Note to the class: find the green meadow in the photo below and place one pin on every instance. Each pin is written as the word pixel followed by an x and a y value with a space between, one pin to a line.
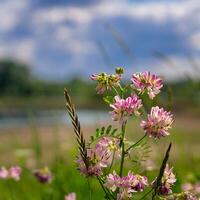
pixel 34 146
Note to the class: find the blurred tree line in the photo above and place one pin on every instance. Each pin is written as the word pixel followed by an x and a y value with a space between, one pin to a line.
pixel 19 88
pixel 16 80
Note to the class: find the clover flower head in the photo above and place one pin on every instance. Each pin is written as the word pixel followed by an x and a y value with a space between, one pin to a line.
pixel 147 82
pixel 94 167
pixel 105 81
pixel 123 108
pixel 158 123
pixel 100 156
pixel 108 148
pixel 167 181
pixel 14 172
pixel 3 173
pixel 186 196
pixel 127 185
pixel 141 183
pixel 128 181
pixel 71 196
pixel 43 175
pixel 113 181
pixel 197 188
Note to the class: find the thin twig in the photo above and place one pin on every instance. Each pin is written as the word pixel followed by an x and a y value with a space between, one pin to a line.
pixel 123 149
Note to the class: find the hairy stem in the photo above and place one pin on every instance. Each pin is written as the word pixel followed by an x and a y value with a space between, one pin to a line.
pixel 112 162
pixel 123 149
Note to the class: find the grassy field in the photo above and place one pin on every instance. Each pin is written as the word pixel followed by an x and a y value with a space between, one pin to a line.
pixel 34 146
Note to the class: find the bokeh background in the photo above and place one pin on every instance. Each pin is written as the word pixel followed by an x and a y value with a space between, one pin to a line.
pixel 47 45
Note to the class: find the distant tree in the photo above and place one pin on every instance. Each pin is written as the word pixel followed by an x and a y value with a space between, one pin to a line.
pixel 15 78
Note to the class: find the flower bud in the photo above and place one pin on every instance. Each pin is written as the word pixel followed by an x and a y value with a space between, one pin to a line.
pixel 119 70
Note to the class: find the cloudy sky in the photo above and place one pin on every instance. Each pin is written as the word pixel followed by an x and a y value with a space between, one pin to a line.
pixel 62 38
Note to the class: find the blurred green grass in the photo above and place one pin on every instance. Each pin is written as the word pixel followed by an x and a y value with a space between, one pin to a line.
pixel 55 146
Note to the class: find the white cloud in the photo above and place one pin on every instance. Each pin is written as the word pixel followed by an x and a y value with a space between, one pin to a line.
pixel 195 40
pixel 156 11
pixel 69 28
pixel 10 12
pixel 61 14
pixel 19 49
pixel 183 13
pixel 178 68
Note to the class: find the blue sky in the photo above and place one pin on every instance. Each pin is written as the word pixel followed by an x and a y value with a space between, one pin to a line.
pixel 62 38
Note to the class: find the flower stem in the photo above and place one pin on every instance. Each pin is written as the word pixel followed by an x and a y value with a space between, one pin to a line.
pixel 123 148
pixel 121 90
pixel 115 90
pixel 129 148
pixel 106 191
pixel 112 162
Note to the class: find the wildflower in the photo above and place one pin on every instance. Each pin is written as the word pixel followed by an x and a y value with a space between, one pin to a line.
pixel 113 181
pixel 107 149
pixel 168 180
pixel 105 81
pixel 71 196
pixel 123 108
pixel 185 196
pixel 147 82
pixel 126 184
pixel 158 123
pixel 140 183
pixel 182 196
pixel 3 173
pixel 189 196
pixel 14 173
pixel 197 188
pixel 94 167
pixel 43 175
pixel 101 156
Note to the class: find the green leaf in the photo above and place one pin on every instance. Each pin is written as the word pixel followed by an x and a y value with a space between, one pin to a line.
pixel 108 129
pixel 104 131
